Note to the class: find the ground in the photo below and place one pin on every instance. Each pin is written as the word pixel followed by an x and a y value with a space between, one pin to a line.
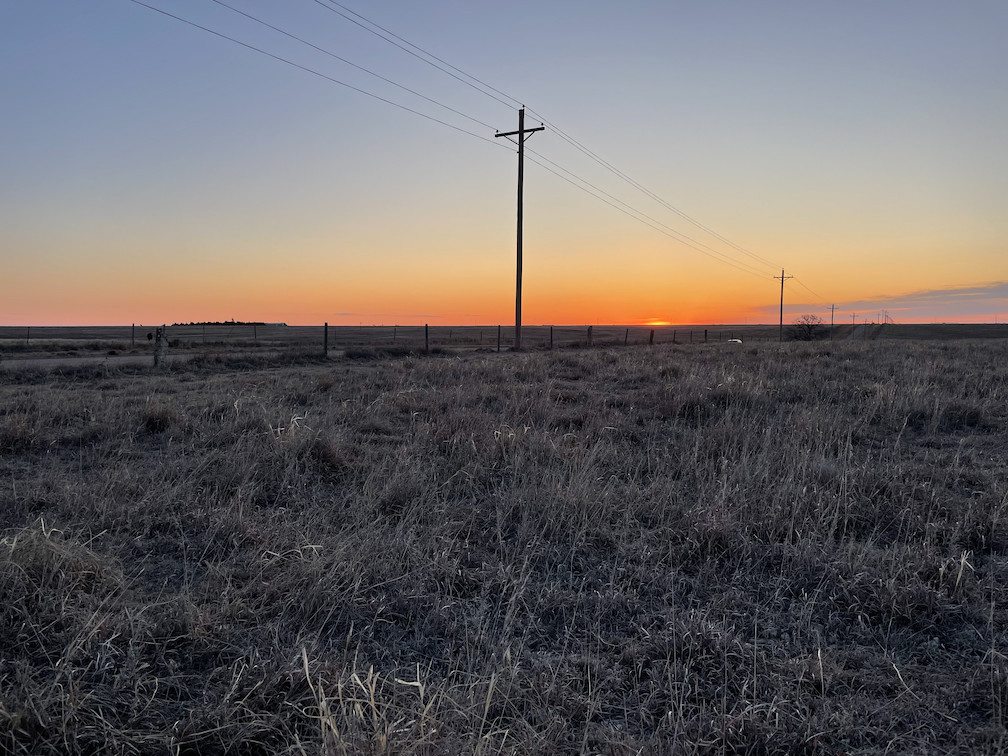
pixel 715 548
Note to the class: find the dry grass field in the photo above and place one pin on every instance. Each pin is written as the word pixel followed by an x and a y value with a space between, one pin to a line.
pixel 671 550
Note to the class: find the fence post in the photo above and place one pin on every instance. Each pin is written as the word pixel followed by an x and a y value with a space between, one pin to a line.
pixel 673 337
pixel 651 340
pixel 426 337
pixel 498 338
pixel 133 335
pixel 204 333
pixel 395 328
pixel 626 336
pixel 27 337
pixel 704 335
pixel 160 344
pixel 255 333
pixel 325 340
pixel 551 337
pixel 691 336
pixel 589 335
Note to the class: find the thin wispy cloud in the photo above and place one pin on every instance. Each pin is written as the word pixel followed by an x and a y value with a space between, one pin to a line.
pixel 980 302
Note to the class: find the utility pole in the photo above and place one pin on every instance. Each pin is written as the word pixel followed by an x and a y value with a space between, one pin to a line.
pixel 522 133
pixel 832 307
pixel 782 278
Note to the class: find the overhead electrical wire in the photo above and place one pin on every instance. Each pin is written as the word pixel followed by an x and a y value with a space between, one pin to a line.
pixel 684 238
pixel 571 177
pixel 314 72
pixel 822 299
pixel 643 220
pixel 514 103
pixel 407 50
pixel 643 189
pixel 351 63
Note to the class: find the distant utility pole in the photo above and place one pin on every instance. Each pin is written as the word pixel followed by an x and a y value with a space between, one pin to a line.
pixel 782 278
pixel 832 307
pixel 522 133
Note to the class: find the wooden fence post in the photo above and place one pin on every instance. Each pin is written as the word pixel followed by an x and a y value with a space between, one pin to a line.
pixel 325 340
pixel 133 335
pixel 589 335
pixel 551 337
pixel 651 340
pixel 426 337
pixel 498 337
pixel 255 333
pixel 204 333
pixel 691 336
pixel 160 344
pixel 626 336
pixel 27 337
pixel 395 328
pixel 704 335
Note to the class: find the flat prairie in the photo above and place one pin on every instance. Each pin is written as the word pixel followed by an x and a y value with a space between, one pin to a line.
pixel 717 548
pixel 129 345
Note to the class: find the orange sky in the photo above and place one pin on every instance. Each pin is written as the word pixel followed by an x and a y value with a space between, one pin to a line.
pixel 863 152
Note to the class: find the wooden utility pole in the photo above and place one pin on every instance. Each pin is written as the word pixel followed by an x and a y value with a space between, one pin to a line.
pixel 782 278
pixel 522 133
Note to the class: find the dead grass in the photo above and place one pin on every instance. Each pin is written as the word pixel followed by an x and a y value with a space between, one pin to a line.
pixel 674 550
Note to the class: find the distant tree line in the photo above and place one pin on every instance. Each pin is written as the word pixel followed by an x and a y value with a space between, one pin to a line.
pixel 228 323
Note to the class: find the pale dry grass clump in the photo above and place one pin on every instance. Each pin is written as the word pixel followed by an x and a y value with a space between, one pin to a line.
pixel 668 550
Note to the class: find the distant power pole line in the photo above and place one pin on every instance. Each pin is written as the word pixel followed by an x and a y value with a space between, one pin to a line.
pixel 782 278
pixel 522 133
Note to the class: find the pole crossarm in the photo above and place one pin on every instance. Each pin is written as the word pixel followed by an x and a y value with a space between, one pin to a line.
pixel 522 133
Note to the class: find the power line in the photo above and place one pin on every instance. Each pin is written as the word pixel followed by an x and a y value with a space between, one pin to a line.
pixel 407 50
pixel 643 189
pixel 351 63
pixel 822 299
pixel 726 261
pixel 597 193
pixel 314 72
pixel 684 238
pixel 514 100
pixel 673 233
pixel 563 135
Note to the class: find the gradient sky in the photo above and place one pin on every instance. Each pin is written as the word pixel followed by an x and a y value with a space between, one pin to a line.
pixel 151 172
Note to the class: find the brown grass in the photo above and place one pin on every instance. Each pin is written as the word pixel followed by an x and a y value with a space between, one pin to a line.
pixel 668 550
